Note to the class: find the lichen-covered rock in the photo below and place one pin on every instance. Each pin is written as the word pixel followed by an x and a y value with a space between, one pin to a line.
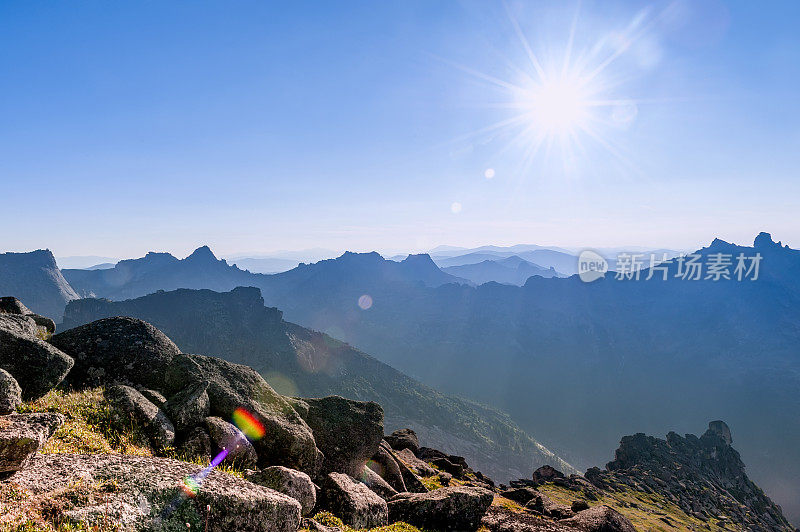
pixel 347 432
pixel 454 508
pixel 196 444
pixel 153 396
pixel 21 435
pixel 148 492
pixel 37 366
pixel 226 436
pixel 420 467
pixel 544 505
pixel 403 439
pixel 10 393
pixel 353 502
pixel 410 478
pixel 579 505
pixel 501 519
pixel 189 407
pixel 19 325
pixel 547 473
pixel 291 482
pixel 373 481
pixel 457 470
pixel 520 495
pixel 289 441
pixel 385 464
pixel 129 404
pixel 43 322
pixel 117 350
pixel 12 305
pixel 600 519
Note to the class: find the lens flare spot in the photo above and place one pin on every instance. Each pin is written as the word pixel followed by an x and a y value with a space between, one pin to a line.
pixel 190 487
pixel 489 173
pixel 365 302
pixel 376 467
pixel 249 425
pixel 455 207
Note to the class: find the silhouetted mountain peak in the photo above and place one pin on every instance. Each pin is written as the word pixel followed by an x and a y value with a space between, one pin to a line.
pixel 351 256
pixel 422 260
pixel 202 254
pixel 719 243
pixel 764 241
pixel 151 259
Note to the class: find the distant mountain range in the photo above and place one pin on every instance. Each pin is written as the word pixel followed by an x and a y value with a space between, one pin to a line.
pixel 564 261
pixel 511 270
pixel 35 278
pixel 584 362
pixel 161 271
pixel 84 261
pixel 300 362
pixel 265 265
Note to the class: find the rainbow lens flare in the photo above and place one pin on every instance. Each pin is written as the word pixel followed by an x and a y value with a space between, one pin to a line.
pixel 249 425
pixel 190 487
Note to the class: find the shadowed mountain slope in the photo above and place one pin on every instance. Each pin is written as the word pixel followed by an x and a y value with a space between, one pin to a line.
pixel 582 363
pixel 297 361
pixel 35 279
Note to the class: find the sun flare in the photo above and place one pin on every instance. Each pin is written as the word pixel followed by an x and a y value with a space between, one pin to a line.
pixel 566 101
pixel 557 106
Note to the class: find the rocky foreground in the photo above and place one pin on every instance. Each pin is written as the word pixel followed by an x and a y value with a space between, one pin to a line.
pixel 125 442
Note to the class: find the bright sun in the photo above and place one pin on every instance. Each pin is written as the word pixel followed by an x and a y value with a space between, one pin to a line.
pixel 557 106
pixel 568 103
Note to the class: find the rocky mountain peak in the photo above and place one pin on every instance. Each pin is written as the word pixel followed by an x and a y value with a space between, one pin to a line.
pixel 34 278
pixel 705 475
pixel 421 259
pixel 202 254
pixel 719 243
pixel 721 429
pixel 350 256
pixel 764 241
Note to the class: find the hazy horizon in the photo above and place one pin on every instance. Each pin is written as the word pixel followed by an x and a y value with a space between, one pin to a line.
pixel 317 254
pixel 185 250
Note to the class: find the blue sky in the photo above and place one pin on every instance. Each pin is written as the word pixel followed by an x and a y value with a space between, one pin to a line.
pixel 257 126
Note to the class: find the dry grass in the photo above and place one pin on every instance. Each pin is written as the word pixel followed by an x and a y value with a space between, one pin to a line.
pixel 90 427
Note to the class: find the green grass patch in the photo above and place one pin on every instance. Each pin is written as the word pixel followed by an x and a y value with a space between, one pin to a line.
pixel 328 519
pixel 645 510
